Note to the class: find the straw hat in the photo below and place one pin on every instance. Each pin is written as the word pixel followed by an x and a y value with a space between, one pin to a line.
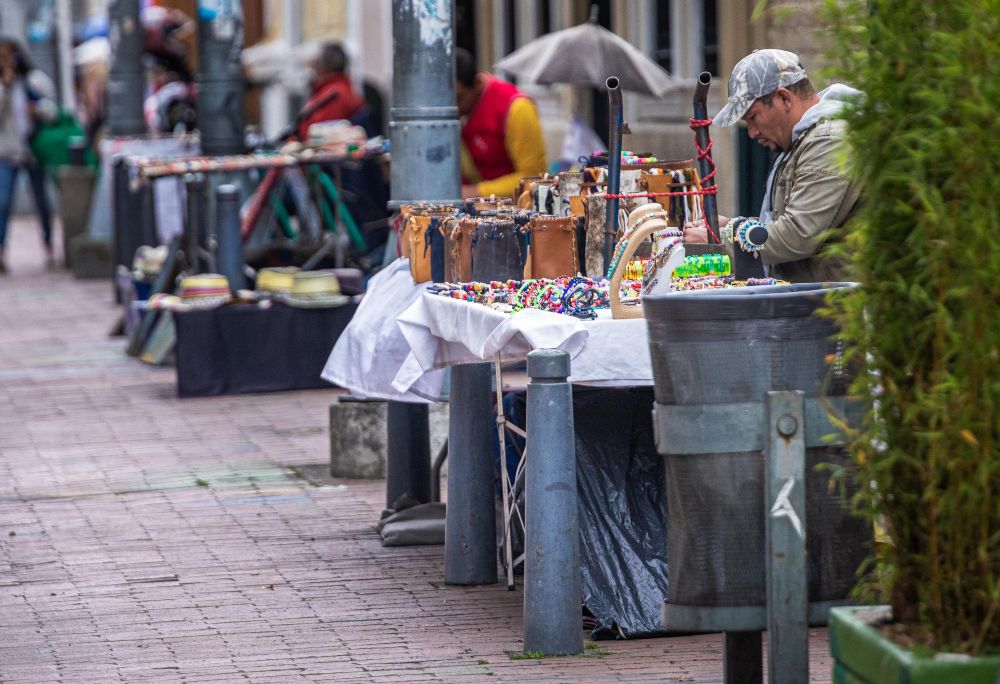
pixel 315 289
pixel 278 280
pixel 204 291
pixel 162 301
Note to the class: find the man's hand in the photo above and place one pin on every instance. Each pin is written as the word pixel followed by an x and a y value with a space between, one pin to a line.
pixel 697 231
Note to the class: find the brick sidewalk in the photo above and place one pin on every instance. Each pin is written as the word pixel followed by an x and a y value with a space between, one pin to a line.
pixel 146 537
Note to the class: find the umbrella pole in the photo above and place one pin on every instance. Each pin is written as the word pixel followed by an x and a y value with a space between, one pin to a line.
pixel 745 265
pixel 616 117
pixel 705 165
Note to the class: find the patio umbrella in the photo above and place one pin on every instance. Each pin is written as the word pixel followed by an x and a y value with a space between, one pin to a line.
pixel 586 55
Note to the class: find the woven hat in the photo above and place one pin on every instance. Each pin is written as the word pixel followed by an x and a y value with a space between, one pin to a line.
pixel 204 291
pixel 278 280
pixel 758 74
pixel 163 301
pixel 315 289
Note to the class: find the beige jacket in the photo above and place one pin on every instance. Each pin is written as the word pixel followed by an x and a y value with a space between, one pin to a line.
pixel 812 196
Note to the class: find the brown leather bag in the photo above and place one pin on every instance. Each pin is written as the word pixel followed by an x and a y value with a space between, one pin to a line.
pixel 407 211
pixel 553 251
pixel 414 231
pixel 458 234
pixel 477 205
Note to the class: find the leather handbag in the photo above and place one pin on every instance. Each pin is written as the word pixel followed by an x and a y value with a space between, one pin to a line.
pixel 415 231
pixel 476 205
pixel 496 251
pixel 552 250
pixel 406 239
pixel 524 186
pixel 459 233
pixel 435 247
pixel 596 207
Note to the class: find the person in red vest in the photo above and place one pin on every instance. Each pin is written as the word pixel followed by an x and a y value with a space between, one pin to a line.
pixel 329 76
pixel 501 132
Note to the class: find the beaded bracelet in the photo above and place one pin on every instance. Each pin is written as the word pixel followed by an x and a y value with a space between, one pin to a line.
pixel 659 214
pixel 730 227
pixel 741 235
pixel 616 257
pixel 518 298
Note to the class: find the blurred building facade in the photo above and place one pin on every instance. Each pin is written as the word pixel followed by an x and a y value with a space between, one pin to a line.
pixel 684 36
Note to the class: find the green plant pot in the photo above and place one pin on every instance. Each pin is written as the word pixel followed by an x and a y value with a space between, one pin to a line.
pixel 863 656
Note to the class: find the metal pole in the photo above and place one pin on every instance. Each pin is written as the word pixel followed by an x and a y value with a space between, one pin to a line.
pixel 64 41
pixel 700 104
pixel 230 244
pixel 195 229
pixel 743 660
pixel 411 441
pixel 144 204
pixel 552 542
pixel 122 242
pixel 40 28
pixel 220 77
pixel 470 543
pixel 425 165
pixel 424 127
pixel 616 115
pixel 785 504
pixel 126 81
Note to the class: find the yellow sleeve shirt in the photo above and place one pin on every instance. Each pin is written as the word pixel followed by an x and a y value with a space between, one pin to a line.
pixel 525 147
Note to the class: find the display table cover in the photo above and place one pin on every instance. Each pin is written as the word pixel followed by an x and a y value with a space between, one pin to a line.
pixel 242 348
pixel 403 336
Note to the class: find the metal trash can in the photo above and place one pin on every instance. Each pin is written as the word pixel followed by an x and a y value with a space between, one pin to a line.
pixel 715 354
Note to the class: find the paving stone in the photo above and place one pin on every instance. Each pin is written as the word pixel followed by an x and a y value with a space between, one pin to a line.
pixel 179 544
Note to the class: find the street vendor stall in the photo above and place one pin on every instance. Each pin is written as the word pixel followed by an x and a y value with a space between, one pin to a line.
pixel 250 342
pixel 561 279
pixel 403 337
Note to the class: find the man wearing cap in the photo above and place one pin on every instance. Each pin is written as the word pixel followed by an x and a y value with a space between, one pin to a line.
pixel 808 190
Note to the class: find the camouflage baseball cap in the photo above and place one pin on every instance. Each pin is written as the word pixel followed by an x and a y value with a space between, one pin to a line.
pixel 758 74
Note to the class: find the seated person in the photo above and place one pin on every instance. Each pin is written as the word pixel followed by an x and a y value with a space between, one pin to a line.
pixel 329 77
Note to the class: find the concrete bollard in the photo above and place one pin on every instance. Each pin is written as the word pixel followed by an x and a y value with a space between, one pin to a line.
pixel 470 546
pixel 552 616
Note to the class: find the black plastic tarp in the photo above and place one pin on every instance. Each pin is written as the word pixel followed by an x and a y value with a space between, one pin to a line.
pixel 623 538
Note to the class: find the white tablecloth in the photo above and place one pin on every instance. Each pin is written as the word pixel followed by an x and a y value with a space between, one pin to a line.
pixel 402 337
pixel 370 351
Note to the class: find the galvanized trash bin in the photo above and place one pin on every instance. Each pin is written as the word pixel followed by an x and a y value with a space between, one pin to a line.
pixel 715 353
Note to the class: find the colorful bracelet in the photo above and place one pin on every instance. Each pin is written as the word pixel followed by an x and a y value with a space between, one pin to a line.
pixel 741 236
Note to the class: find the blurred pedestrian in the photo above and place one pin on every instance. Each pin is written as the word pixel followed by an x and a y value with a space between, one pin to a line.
pixel 501 132
pixel 15 125
pixel 330 79
pixel 42 111
pixel 171 104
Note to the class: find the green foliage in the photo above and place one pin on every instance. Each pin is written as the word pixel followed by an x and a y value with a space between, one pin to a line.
pixel 924 330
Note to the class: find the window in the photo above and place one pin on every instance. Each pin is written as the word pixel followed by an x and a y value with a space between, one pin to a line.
pixel 662 53
pixel 686 36
pixel 710 32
